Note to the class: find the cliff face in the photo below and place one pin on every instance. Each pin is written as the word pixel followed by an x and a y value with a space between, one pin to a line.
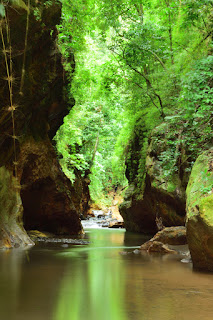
pixel 161 199
pixel 158 170
pixel 33 104
pixel 199 212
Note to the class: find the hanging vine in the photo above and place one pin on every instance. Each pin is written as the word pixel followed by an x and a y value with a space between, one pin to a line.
pixel 7 53
pixel 25 48
pixel 9 79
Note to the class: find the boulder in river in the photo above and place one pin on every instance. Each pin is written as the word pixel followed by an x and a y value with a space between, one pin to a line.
pixel 167 236
pixel 172 236
pixel 116 224
pixel 157 246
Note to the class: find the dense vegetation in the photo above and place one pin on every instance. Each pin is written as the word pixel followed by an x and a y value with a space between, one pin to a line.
pixel 138 63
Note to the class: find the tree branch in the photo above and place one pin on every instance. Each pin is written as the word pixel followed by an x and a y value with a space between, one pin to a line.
pixel 149 85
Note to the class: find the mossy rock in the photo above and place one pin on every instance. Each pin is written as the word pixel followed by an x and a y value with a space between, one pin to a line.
pixel 157 247
pixel 12 233
pixel 200 212
pixel 41 196
pixel 162 193
pixel 35 234
pixel 172 236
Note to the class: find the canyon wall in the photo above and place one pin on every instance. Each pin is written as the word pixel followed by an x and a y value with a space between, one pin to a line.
pixel 33 103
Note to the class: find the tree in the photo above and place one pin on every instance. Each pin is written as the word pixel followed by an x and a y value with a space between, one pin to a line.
pixel 133 70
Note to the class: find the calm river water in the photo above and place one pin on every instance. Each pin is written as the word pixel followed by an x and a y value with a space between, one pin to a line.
pixel 101 281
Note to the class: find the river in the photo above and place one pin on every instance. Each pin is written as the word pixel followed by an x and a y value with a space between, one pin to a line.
pixel 104 280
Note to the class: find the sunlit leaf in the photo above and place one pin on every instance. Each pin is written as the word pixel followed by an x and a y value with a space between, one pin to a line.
pixel 2 10
pixel 20 4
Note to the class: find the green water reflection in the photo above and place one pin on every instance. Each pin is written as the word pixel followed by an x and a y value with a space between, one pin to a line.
pixel 93 284
pixel 10 277
pixel 97 282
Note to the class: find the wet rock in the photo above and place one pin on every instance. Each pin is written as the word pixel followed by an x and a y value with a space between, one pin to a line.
pixel 112 223
pixel 116 225
pixel 40 104
pixel 101 216
pixel 146 245
pixel 137 212
pixel 161 196
pixel 172 236
pixel 156 246
pixel 81 194
pixel 187 258
pixel 105 224
pixel 12 233
pixel 200 212
pixel 62 241
pixel 46 237
pixel 137 251
pixel 168 236
pixel 140 211
pixel 35 234
pixel 46 193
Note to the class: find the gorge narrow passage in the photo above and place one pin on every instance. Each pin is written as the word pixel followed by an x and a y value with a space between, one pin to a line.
pixel 106 121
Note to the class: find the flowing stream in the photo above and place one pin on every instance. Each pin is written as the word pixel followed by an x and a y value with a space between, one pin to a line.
pixel 104 280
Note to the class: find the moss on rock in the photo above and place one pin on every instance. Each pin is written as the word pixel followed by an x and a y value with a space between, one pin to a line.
pixel 162 193
pixel 40 103
pixel 200 212
pixel 12 233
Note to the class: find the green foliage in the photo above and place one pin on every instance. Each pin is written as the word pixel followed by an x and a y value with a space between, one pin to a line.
pixel 137 64
pixel 19 4
pixel 190 130
pixel 197 104
pixel 96 119
pixel 2 10
pixel 69 141
pixel 198 91
pixel 15 3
